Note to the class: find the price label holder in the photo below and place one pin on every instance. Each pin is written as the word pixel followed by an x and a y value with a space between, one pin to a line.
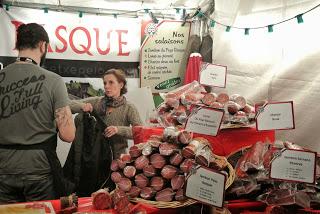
pixel 275 116
pixel 206 185
pixel 204 120
pixel 213 75
pixel 294 165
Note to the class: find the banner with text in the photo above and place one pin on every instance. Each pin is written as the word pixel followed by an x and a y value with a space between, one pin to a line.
pixel 81 47
pixel 162 57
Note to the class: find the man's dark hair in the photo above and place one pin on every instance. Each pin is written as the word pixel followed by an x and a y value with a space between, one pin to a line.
pixel 29 36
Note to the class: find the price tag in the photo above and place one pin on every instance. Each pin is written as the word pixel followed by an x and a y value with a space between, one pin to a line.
pixel 213 75
pixel 206 185
pixel 275 116
pixel 294 165
pixel 204 121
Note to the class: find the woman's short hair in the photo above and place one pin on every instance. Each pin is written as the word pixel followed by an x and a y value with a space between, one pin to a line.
pixel 121 77
pixel 29 36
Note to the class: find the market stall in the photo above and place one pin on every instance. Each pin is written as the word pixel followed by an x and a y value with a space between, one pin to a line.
pixel 232 127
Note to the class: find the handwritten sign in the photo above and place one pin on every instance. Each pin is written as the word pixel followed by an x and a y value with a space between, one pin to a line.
pixel 207 186
pixel 205 121
pixel 294 165
pixel 213 75
pixel 275 116
pixel 162 57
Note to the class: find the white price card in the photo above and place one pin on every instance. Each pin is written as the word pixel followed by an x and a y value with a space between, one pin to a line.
pixel 213 75
pixel 294 165
pixel 206 185
pixel 275 116
pixel 204 120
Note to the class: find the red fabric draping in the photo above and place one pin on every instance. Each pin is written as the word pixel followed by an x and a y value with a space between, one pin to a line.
pixel 225 143
pixel 85 205
pixel 193 68
pixel 242 206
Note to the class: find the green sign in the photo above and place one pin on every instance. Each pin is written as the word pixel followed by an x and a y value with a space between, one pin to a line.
pixel 168 83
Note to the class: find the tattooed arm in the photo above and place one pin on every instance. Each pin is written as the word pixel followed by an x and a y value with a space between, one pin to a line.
pixel 65 124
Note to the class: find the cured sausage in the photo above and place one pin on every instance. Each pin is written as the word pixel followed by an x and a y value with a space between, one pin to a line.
pixel 157 161
pixel 169 171
pixel 141 180
pixel 157 183
pixel 101 199
pixel 166 195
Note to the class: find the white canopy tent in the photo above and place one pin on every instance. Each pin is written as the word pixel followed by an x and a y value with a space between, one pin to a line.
pixel 279 66
pixel 110 7
pixel 282 65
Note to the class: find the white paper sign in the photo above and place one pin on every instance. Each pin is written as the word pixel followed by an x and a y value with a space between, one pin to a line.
pixel 293 165
pixel 206 186
pixel 276 116
pixel 205 121
pixel 213 75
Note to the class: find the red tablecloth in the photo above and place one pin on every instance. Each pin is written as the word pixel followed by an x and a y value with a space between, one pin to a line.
pixel 85 205
pixel 235 207
pixel 225 143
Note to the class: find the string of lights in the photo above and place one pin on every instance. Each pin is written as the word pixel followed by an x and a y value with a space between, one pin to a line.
pixel 228 28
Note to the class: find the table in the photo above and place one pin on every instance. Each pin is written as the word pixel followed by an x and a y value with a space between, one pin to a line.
pixel 85 205
pixel 227 142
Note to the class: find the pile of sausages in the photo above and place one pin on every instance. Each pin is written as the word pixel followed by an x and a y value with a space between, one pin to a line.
pixel 177 105
pixel 157 169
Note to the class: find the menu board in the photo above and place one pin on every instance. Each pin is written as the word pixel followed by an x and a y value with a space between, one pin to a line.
pixel 162 57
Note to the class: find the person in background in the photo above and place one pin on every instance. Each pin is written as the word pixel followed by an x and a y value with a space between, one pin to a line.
pixel 34 106
pixel 114 110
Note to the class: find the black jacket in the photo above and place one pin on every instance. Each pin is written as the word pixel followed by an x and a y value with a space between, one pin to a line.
pixel 90 156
